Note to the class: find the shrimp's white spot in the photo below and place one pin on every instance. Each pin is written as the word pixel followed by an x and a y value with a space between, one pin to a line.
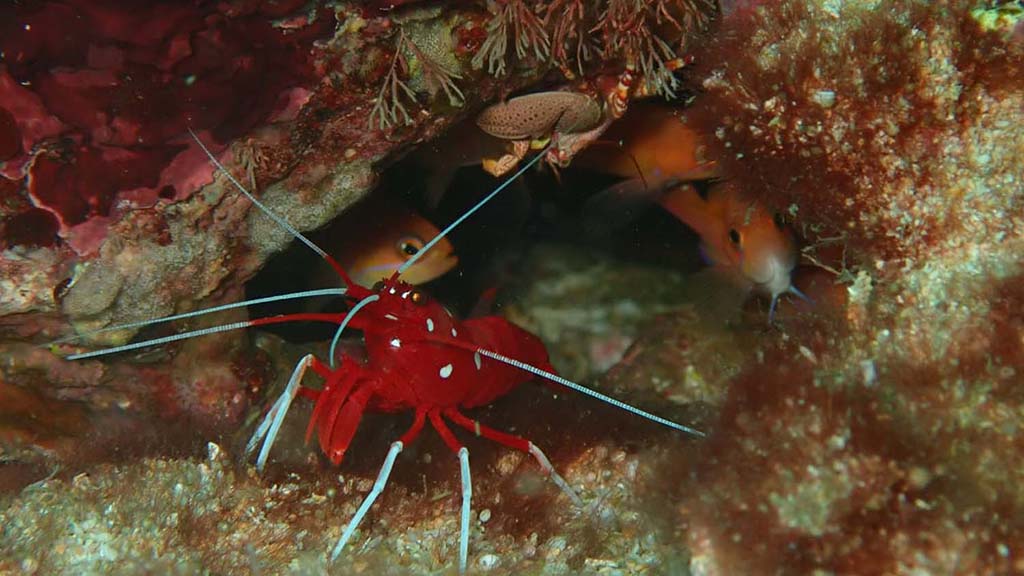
pixel 476 359
pixel 454 333
pixel 391 317
pixel 392 291
pixel 396 343
pixel 445 371
pixel 406 294
pixel 430 325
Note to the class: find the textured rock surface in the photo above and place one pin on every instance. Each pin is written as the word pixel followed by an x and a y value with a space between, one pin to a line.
pixel 875 432
pixel 111 214
pixel 879 437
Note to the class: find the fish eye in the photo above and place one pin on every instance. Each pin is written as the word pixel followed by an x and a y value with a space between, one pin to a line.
pixel 779 223
pixel 409 246
pixel 418 297
pixel 734 236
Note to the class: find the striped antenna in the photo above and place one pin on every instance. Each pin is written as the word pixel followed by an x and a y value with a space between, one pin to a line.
pixel 270 213
pixel 204 311
pixel 584 390
pixel 331 318
pixel 470 212
pixel 435 240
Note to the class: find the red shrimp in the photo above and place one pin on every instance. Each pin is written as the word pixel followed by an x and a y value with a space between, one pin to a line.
pixel 419 358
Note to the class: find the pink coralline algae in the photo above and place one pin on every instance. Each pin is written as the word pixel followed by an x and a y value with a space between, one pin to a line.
pixel 99 95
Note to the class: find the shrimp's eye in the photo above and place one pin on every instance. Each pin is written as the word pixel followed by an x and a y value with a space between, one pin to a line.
pixel 417 297
pixel 378 285
pixel 777 218
pixel 734 236
pixel 409 246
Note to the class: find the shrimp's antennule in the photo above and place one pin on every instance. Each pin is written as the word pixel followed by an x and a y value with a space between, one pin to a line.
pixel 270 213
pixel 352 289
pixel 426 247
pixel 470 212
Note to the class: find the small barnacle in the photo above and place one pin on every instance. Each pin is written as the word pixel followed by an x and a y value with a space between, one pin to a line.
pixel 527 30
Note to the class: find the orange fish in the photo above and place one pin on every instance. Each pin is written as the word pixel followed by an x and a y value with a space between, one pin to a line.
pixel 654 146
pixel 738 235
pixel 375 237
pixel 658 155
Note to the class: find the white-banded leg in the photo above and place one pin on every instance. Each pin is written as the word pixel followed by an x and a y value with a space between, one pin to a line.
pixel 271 425
pixel 516 443
pixel 382 479
pixel 378 487
pixel 541 459
pixel 467 498
pixel 467 483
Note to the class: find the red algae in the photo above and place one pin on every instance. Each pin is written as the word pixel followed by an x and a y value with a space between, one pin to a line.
pixel 124 84
pixel 10 136
pixel 33 227
pixel 868 129
pixel 880 434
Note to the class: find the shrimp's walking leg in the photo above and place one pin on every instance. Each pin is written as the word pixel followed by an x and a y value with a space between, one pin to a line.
pixel 268 429
pixel 467 484
pixel 516 443
pixel 381 482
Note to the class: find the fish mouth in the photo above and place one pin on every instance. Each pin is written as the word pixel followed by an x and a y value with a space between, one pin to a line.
pixel 778 280
pixel 428 268
pixel 431 266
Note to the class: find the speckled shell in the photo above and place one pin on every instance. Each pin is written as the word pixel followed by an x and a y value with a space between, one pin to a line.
pixel 539 114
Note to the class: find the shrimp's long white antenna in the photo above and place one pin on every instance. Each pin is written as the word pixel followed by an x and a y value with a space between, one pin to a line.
pixel 164 340
pixel 242 304
pixel 433 241
pixel 348 318
pixel 270 213
pixel 584 390
pixel 564 382
pixel 470 212
pixel 331 318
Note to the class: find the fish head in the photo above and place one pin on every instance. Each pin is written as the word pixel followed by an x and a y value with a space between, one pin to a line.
pixel 391 255
pixel 398 237
pixel 758 245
